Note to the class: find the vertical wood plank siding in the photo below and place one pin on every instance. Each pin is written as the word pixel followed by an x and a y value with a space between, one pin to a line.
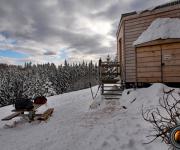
pixel 121 51
pixel 171 61
pixel 149 64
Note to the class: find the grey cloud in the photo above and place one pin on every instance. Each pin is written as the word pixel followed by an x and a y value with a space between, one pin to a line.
pixel 50 53
pixel 114 30
pixel 21 49
pixel 34 20
pixel 113 12
pixel 141 4
pixel 86 6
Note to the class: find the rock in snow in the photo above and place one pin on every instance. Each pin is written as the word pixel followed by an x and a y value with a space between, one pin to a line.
pixel 74 126
pixel 161 28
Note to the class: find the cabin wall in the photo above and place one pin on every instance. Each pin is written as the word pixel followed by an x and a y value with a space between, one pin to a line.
pixel 121 52
pixel 133 27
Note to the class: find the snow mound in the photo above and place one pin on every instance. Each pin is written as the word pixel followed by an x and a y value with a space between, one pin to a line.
pixel 161 28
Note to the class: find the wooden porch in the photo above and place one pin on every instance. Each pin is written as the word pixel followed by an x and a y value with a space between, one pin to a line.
pixel 109 76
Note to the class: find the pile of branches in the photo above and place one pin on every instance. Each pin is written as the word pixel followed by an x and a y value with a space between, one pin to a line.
pixel 164 117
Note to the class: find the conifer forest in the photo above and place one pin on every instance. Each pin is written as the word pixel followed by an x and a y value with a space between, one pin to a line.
pixel 32 80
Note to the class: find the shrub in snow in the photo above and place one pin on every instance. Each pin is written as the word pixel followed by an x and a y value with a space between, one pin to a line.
pixel 165 117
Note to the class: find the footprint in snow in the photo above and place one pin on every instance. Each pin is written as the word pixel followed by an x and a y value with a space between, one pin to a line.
pixel 105 144
pixel 129 145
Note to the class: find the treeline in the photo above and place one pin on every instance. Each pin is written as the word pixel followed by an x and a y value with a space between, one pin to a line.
pixel 29 81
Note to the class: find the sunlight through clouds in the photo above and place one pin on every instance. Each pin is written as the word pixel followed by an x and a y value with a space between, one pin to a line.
pixel 50 31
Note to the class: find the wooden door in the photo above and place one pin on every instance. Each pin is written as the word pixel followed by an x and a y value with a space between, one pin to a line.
pixel 171 62
pixel 149 64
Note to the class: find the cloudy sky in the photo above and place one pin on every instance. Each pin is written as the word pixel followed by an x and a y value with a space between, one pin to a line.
pixel 43 31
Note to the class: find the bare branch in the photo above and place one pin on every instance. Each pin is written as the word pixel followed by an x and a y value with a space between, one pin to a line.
pixel 164 117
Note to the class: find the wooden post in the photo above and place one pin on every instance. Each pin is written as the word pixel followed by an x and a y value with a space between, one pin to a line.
pixel 102 89
pixel 100 61
pixel 31 115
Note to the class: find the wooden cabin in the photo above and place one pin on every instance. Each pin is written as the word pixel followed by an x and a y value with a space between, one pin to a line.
pixel 152 61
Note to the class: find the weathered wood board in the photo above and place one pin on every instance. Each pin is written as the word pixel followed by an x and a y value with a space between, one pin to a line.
pixel 46 114
pixel 11 116
pixel 148 64
pixel 171 61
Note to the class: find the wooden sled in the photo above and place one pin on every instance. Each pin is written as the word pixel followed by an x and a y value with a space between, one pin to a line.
pixel 46 114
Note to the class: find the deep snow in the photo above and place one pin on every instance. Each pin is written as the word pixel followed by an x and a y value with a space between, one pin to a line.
pixel 74 126
pixel 160 28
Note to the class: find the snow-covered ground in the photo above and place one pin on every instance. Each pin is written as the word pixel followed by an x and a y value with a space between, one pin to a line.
pixel 74 126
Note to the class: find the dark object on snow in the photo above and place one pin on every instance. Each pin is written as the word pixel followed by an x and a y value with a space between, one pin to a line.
pixel 124 107
pixel 23 104
pixel 133 101
pixel 128 92
pixel 40 100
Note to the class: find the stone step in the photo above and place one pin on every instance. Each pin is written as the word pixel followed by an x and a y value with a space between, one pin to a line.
pixel 110 98
pixel 112 94
pixel 112 102
pixel 119 90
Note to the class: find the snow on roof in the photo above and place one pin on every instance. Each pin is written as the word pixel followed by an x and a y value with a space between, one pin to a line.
pixel 144 10
pixel 161 28
pixel 171 3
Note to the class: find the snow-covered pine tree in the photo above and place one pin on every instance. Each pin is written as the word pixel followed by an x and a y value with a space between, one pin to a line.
pixel 43 79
